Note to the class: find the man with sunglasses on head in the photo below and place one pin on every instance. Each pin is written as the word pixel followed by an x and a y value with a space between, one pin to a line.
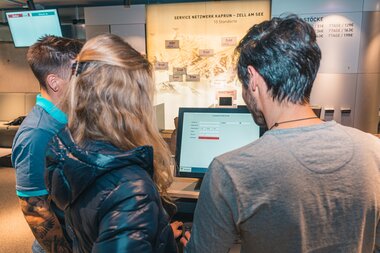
pixel 50 59
pixel 305 185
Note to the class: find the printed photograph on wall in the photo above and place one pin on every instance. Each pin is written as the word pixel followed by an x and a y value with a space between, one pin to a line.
pixel 192 48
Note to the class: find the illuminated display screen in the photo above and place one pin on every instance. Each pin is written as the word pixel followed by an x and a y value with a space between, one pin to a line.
pixel 204 133
pixel 28 26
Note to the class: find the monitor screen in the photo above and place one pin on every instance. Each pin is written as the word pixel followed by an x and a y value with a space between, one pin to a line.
pixel 204 133
pixel 28 26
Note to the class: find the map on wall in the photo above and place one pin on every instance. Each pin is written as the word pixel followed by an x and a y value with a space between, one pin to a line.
pixel 191 46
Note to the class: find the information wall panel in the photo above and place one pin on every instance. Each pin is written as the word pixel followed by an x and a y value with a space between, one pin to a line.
pixel 192 48
pixel 338 36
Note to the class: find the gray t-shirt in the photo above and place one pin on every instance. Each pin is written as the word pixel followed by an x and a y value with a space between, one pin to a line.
pixel 307 189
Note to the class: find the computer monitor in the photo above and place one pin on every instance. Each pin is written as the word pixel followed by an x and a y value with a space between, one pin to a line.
pixel 28 26
pixel 204 133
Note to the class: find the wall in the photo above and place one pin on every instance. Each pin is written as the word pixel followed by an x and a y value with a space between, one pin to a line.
pixel 367 102
pixel 348 83
pixel 192 34
pixel 128 23
pixel 357 88
pixel 15 75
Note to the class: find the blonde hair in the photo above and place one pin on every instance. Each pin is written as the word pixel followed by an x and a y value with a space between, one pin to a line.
pixel 110 99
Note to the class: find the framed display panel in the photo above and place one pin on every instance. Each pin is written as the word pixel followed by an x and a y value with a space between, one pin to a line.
pixel 199 39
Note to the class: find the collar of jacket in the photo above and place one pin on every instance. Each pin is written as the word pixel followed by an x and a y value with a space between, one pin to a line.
pixel 74 168
pixel 106 156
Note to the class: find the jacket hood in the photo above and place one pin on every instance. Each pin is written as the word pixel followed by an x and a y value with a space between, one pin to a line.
pixel 71 169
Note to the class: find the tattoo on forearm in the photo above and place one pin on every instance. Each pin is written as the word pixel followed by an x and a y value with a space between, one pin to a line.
pixel 44 224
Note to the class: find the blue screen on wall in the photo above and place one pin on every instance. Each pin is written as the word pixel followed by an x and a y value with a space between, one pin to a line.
pixel 28 26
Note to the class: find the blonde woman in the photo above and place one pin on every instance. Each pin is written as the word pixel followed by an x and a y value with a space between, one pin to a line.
pixel 109 169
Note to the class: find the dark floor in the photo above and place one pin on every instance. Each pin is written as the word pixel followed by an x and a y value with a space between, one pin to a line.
pixel 15 235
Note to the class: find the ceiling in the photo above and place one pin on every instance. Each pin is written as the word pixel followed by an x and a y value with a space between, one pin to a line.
pixel 22 4
pixel 72 11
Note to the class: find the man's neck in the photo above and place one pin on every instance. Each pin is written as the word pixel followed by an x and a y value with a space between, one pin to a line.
pixel 288 115
pixel 46 95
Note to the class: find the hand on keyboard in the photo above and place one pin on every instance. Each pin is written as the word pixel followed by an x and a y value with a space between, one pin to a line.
pixel 177 227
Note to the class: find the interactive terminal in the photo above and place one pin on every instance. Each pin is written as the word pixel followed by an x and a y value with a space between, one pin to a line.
pixel 28 26
pixel 204 133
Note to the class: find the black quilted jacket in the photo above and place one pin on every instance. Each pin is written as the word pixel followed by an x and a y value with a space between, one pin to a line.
pixel 108 197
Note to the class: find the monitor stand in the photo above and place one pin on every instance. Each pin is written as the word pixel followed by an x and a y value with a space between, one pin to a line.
pixel 197 186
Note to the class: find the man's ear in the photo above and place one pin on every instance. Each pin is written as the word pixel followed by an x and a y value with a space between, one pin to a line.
pixel 52 81
pixel 256 80
pixel 252 78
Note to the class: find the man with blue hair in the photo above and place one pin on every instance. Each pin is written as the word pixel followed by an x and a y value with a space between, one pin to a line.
pixel 305 185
